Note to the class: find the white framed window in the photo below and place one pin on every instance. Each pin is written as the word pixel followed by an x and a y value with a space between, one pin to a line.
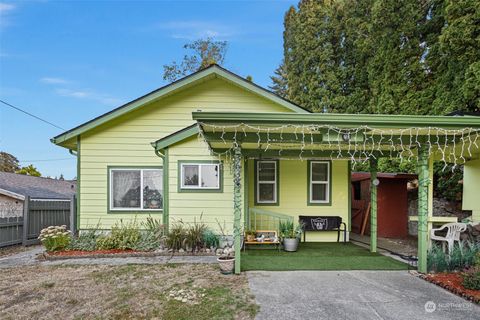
pixel 135 189
pixel 319 182
pixel 267 182
pixel 200 176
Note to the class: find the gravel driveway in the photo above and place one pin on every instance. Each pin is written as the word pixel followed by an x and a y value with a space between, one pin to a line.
pixel 354 295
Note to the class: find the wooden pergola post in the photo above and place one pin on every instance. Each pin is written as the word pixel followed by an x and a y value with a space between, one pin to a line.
pixel 237 205
pixel 373 204
pixel 423 182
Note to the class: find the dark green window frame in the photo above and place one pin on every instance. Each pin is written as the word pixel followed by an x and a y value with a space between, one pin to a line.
pixel 328 202
pixel 132 210
pixel 199 189
pixel 277 183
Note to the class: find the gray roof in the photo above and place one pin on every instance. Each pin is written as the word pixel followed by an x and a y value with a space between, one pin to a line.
pixel 37 187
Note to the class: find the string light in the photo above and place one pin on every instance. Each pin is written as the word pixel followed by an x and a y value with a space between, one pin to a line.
pixel 347 142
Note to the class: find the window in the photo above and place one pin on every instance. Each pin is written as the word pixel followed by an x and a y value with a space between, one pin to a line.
pixel 136 189
pixel 319 182
pixel 200 176
pixel 267 182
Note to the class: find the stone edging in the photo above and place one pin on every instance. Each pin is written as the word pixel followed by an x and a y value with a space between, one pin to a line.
pixel 450 289
pixel 50 257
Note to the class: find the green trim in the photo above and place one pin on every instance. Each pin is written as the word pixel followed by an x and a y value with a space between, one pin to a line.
pixel 78 182
pixel 129 211
pixel 179 176
pixel 277 187
pixel 166 191
pixel 423 182
pixel 329 203
pixel 175 137
pixel 349 196
pixel 340 120
pixel 246 212
pixel 373 205
pixel 211 72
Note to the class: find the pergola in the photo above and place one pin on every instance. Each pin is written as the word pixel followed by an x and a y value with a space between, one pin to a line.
pixel 359 137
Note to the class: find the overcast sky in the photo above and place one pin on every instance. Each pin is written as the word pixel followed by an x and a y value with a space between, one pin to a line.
pixel 68 62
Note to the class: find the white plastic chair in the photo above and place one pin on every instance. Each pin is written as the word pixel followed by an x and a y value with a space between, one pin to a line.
pixel 453 234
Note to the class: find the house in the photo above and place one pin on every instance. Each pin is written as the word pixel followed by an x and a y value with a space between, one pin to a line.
pixel 15 187
pixel 218 146
pixel 392 205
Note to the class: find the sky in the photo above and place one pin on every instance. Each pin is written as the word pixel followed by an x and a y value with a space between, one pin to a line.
pixel 68 62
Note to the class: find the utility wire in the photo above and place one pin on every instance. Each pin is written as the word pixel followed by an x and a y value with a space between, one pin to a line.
pixel 31 115
pixel 45 160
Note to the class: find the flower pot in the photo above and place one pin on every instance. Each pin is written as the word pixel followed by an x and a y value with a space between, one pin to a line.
pixel 290 244
pixel 227 264
pixel 250 237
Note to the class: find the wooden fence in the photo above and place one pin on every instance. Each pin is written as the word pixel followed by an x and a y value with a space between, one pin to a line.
pixel 37 214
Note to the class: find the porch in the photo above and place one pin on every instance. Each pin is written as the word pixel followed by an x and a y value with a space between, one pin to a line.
pixel 238 138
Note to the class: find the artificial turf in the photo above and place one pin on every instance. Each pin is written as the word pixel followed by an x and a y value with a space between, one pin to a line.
pixel 319 256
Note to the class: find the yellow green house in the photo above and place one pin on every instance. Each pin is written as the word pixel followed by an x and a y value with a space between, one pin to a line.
pixel 216 148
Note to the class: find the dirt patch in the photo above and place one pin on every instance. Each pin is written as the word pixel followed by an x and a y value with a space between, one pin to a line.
pixel 453 283
pixel 8 251
pixel 114 253
pixel 124 292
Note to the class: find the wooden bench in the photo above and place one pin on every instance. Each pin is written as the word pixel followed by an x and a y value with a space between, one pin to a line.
pixel 323 223
pixel 270 238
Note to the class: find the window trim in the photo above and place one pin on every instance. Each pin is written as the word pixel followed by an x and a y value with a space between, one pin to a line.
pixel 110 208
pixel 328 201
pixel 276 183
pixel 183 189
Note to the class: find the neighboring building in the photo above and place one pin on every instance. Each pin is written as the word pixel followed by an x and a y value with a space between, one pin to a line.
pixel 15 187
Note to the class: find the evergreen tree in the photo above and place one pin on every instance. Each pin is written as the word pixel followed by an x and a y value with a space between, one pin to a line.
pixel 29 170
pixel 8 162
pixel 279 81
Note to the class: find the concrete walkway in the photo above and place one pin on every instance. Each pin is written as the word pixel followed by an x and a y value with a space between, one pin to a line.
pixel 28 257
pixel 354 295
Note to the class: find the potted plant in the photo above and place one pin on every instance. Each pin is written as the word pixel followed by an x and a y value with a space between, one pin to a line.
pixel 250 234
pixel 226 261
pixel 290 235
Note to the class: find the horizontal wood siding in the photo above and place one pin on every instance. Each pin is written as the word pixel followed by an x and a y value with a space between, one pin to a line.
pixel 125 141
pixel 293 194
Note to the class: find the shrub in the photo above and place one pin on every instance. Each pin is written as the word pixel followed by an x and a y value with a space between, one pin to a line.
pixel 55 238
pixel 458 259
pixel 176 237
pixel 152 236
pixel 123 236
pixel 85 241
pixel 210 239
pixel 194 236
pixel 471 279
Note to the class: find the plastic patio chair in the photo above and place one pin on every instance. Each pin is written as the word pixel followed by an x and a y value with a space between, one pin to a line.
pixel 453 234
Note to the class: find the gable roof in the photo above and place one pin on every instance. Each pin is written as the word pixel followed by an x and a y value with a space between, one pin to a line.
pixel 213 71
pixel 19 185
pixel 175 137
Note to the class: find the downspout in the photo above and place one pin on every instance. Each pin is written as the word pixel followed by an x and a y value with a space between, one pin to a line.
pixel 163 153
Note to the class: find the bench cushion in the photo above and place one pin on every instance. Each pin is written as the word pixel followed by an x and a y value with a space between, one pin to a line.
pixel 320 223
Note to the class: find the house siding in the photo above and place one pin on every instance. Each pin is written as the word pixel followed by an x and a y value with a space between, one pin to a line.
pixel 293 194
pixel 125 141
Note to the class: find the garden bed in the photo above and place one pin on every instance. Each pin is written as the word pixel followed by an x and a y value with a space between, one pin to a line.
pixel 114 253
pixel 453 283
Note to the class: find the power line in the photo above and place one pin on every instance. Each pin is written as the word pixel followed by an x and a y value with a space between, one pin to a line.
pixel 31 115
pixel 45 160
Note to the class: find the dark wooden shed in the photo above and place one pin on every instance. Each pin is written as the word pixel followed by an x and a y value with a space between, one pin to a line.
pixel 392 214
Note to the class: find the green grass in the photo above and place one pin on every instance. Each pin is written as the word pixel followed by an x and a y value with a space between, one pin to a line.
pixel 319 256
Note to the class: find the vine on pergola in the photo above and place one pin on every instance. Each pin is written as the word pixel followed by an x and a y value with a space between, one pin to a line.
pixel 342 143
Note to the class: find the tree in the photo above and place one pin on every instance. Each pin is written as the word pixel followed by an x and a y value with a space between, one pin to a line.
pixel 279 81
pixel 8 162
pixel 381 56
pixel 29 170
pixel 205 53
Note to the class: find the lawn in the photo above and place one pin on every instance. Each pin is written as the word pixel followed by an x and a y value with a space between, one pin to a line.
pixel 319 256
pixel 169 291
